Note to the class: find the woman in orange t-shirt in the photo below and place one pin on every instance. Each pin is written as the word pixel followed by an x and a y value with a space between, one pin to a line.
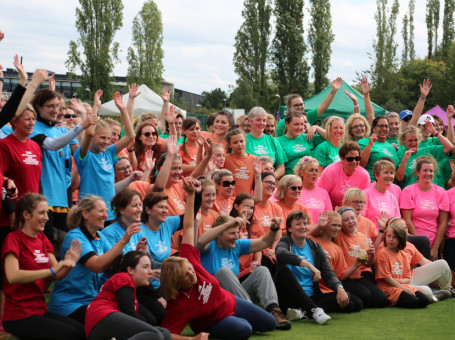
pixel 223 122
pixel 393 271
pixel 224 182
pixel 191 128
pixel 207 215
pixel 356 247
pixel 288 193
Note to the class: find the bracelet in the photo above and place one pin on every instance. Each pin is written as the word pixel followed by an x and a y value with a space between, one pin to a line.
pixel 422 99
pixel 275 229
pixel 132 98
pixel 130 150
pixel 1 79
pixel 31 84
pixel 356 106
pixel 54 274
pixel 381 230
pixel 437 134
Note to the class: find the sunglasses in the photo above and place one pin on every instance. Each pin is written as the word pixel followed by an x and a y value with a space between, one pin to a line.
pixel 227 184
pixel 407 119
pixel 147 134
pixel 69 115
pixel 295 188
pixel 350 159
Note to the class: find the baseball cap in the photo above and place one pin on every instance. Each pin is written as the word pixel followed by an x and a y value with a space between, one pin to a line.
pixel 405 113
pixel 424 118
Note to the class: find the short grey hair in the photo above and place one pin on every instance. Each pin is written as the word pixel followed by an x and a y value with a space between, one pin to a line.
pixel 256 111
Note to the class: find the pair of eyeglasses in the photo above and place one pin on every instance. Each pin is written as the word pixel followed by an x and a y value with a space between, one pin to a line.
pixel 298 105
pixel 350 159
pixel 148 134
pixel 53 106
pixel 358 202
pixel 382 126
pixel 295 188
pixel 227 184
pixel 123 168
pixel 69 115
pixel 360 126
pixel 272 184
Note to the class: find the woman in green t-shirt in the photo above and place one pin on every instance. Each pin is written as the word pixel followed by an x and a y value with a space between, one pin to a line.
pixel 327 152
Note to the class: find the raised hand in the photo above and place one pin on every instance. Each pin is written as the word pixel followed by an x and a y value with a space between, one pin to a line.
pixel 1 71
pixel 118 100
pixel 429 125
pixel 350 95
pixel 382 221
pixel 172 148
pixel 20 69
pixel 77 106
pixel 188 185
pixel 257 166
pixel 74 252
pixel 373 138
pixel 425 88
pixel 450 112
pixel 323 219
pixel 225 209
pixel 171 115
pixel 166 96
pixel 39 77
pixel 149 161
pixel 142 245
pixel 132 90
pixel 52 82
pixel 97 100
pixel 2 35
pixel 365 87
pixel 90 120
pixel 336 84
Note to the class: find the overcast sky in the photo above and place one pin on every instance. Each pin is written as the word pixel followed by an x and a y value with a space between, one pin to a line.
pixel 198 37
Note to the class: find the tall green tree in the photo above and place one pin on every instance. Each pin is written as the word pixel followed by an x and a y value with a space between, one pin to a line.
pixel 214 99
pixel 97 21
pixel 448 31
pixel 252 44
pixel 290 67
pixel 404 32
pixel 385 50
pixel 320 38
pixel 432 20
pixel 145 55
pixel 411 46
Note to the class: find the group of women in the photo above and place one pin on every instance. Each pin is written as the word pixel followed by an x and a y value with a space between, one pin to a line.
pixel 358 213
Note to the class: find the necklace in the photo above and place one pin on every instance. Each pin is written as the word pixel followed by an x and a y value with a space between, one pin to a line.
pixel 188 295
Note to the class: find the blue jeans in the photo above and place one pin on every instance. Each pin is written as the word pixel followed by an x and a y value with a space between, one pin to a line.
pixel 247 318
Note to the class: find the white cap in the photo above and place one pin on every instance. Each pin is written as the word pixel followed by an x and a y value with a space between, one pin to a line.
pixel 424 118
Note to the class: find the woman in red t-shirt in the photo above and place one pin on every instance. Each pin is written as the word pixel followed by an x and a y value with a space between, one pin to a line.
pixel 28 261
pixel 114 313
pixel 196 297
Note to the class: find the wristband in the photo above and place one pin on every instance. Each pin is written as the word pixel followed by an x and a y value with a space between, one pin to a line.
pixel 53 273
pixel 130 150
pixel 356 106
pixel 275 229
pixel 422 99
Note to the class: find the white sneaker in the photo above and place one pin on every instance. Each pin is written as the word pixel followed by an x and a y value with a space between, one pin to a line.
pixel 295 314
pixel 319 316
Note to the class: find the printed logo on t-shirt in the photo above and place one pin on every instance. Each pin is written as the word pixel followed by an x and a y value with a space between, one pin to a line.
pixel 427 205
pixel 40 257
pixel 161 248
pixel 345 188
pixel 355 250
pixel 105 164
pixel 207 227
pixel 397 268
pixel 178 203
pixel 260 150
pixel 413 164
pixel 204 292
pixel 266 221
pixel 387 152
pixel 30 158
pixel 327 254
pixel 299 148
pixel 242 173
pixel 228 263
pixel 313 203
pixel 336 158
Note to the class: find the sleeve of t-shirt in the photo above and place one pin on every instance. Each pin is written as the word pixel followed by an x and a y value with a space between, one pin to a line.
pixel 87 248
pixel 5 155
pixel 320 153
pixel 326 180
pixel 407 199
pixel 280 156
pixel 243 246
pixel 363 143
pixel 443 199
pixel 382 268
pixel 312 116
pixel 11 245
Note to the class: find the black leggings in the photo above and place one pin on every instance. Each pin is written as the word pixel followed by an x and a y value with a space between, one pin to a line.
pixel 150 308
pixel 292 295
pixel 122 326
pixel 367 291
pixel 406 300
pixel 422 243
pixel 47 327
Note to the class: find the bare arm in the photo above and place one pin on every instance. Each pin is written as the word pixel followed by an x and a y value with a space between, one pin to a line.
pixel 127 124
pixel 406 214
pixel 163 174
pixel 279 171
pixel 213 233
pixel 425 88
pixel 366 152
pixel 266 241
pixel 166 96
pixel 402 168
pixel 336 84
pixel 354 101
pixel 132 94
pixel 450 133
pixel 90 132
pixel 442 227
pixel 366 87
pixel 257 181
pixel 394 283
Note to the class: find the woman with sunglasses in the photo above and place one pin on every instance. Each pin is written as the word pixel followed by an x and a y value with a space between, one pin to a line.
pixel 288 194
pixel 314 198
pixel 376 146
pixel 144 143
pixel 340 176
pixel 225 183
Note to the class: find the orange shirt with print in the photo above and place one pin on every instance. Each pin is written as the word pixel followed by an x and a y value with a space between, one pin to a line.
pixel 256 231
pixel 242 169
pixel 262 216
pixel 296 206
pixel 367 228
pixel 211 135
pixel 176 206
pixel 206 221
pixel 351 247
pixel 189 157
pixel 394 265
pixel 336 259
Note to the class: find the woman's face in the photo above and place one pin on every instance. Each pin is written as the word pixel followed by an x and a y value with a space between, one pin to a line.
pixel 38 218
pixel 50 109
pixel 270 127
pixel 142 273
pixel 336 130
pixel 237 143
pixel 297 104
pixel 176 171
pixel 299 228
pixel 25 123
pixel 358 128
pixel 115 134
pixel 188 275
pixel 208 197
pixel 268 185
pixel 96 217
pixel 258 123
pixel 226 188
pixel 438 126
pixel 101 139
pixel 350 162
pixel 424 130
pixel 394 126
pixel 159 211
pixel 221 125
pixel 178 125
pixel 357 203
pixel 391 239
pixel 229 237
pixel 268 167
pixel 193 132
pixel 245 209
pixel 123 169
pixel 385 176
pixel 333 227
pixel 293 190
pixel 148 136
pixel 132 212
pixel 296 126
pixel 69 117
pixel 309 174
pixel 411 141
pixel 426 173
pixel 382 129
pixel 349 222
pixel 218 157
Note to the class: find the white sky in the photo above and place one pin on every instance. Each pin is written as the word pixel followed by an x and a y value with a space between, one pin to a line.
pixel 198 37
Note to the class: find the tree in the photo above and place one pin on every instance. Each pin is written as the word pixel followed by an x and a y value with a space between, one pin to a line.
pixel 290 68
pixel 432 20
pixel 242 97
pixel 385 49
pixel 411 48
pixel 320 38
pixel 252 44
pixel 97 21
pixel 404 32
pixel 145 55
pixel 448 33
pixel 214 99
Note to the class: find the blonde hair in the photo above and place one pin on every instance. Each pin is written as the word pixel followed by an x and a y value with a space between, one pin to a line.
pixel 408 130
pixel 351 193
pixel 102 125
pixel 112 122
pixel 348 137
pixel 75 218
pixel 28 107
pixel 283 185
pixel 171 276
pixel 271 117
pixel 329 123
pixel 303 163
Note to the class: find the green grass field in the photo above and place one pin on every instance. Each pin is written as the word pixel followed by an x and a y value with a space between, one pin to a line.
pixel 435 322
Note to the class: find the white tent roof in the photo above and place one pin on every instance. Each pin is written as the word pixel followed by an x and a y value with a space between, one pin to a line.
pixel 147 101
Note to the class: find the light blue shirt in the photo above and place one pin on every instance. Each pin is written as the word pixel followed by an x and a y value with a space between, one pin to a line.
pixel 214 257
pixel 303 275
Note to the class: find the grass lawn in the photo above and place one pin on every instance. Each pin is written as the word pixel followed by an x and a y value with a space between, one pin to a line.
pixel 435 322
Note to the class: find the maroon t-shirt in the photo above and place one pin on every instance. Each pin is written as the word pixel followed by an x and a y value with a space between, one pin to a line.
pixel 201 306
pixel 26 299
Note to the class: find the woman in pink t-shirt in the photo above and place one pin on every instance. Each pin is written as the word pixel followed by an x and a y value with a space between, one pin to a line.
pixel 314 198
pixel 449 243
pixel 425 206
